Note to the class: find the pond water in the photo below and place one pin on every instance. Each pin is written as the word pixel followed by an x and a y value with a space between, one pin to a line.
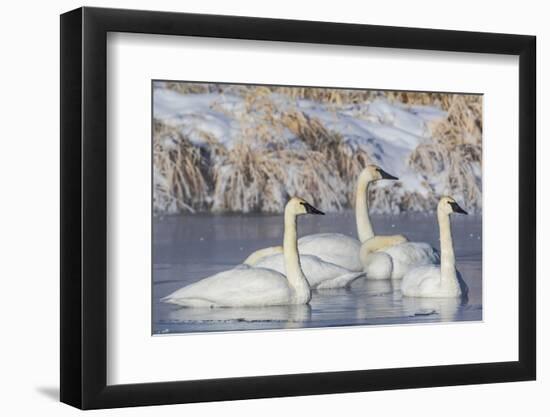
pixel 189 248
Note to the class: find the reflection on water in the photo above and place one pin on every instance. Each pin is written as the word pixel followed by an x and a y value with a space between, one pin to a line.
pixel 286 316
pixel 188 248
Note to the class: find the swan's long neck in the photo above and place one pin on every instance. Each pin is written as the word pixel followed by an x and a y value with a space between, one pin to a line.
pixel 448 268
pixel 294 274
pixel 364 226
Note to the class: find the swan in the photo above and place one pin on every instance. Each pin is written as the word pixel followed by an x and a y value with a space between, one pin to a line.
pixel 250 286
pixel 441 281
pixel 337 248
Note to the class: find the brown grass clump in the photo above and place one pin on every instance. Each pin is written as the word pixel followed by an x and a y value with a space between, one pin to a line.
pixel 464 123
pixel 181 174
pixel 452 162
pixel 251 179
pixel 186 88
pixel 459 166
pixel 346 161
pixel 263 170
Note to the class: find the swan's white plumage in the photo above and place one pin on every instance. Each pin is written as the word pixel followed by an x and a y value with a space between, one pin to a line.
pixel 385 257
pixel 255 257
pixel 341 281
pixel 425 281
pixel 378 266
pixel 235 288
pixel 335 248
pixel 319 273
pixel 408 255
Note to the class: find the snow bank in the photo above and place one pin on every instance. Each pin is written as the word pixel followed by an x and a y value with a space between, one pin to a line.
pixel 262 148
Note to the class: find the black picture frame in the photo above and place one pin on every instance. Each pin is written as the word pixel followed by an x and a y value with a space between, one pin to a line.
pixel 84 207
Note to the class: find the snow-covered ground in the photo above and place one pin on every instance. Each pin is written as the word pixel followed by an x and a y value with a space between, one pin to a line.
pixel 387 132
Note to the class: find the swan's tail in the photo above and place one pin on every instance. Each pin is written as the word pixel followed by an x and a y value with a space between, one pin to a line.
pixel 341 281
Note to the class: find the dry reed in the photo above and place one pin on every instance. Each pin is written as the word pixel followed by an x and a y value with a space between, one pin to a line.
pixel 281 151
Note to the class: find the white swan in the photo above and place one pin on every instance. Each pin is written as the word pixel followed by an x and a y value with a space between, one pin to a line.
pixel 337 248
pixel 441 281
pixel 247 286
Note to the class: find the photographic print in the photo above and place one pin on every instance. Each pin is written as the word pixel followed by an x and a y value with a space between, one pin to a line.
pixel 288 207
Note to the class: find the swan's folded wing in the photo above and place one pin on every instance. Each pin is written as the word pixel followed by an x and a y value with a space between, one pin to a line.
pixel 341 281
pixel 314 268
pixel 318 271
pixel 414 253
pixel 243 286
pixel 410 255
pixel 416 281
pixel 274 262
pixel 378 266
pixel 336 248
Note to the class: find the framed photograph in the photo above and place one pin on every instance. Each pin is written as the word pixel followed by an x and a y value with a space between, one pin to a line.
pixel 257 208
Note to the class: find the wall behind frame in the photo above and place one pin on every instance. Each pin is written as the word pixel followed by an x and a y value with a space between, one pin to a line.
pixel 29 212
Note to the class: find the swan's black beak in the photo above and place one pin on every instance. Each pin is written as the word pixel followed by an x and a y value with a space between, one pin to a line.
pixel 386 176
pixel 311 210
pixel 457 209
